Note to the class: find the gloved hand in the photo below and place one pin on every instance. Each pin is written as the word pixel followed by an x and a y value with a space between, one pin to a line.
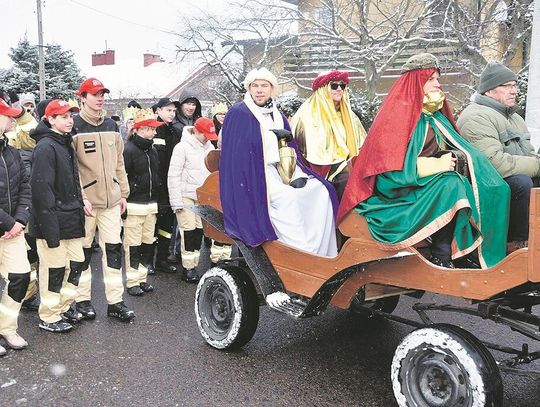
pixel 426 166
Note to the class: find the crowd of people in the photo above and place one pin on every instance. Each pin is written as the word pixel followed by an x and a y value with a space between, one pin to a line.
pixel 417 174
pixel 72 171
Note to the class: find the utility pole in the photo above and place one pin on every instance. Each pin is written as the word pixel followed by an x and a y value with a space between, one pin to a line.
pixel 533 93
pixel 41 57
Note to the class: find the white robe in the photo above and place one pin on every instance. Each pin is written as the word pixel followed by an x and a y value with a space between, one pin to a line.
pixel 302 217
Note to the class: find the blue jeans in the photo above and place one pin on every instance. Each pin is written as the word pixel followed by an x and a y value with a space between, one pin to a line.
pixel 520 195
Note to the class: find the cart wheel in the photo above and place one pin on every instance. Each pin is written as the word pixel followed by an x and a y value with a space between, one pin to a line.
pixel 387 305
pixel 226 307
pixel 445 366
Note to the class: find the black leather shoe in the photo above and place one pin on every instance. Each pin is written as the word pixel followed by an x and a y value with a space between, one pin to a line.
pixel 147 288
pixel 72 316
pixel 191 276
pixel 60 326
pixel 120 311
pixel 86 309
pixel 442 263
pixel 466 263
pixel 136 291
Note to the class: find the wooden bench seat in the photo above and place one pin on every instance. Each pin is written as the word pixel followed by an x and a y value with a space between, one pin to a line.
pixel 355 226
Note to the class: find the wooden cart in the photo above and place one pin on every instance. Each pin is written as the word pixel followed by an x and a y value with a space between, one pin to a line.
pixel 435 365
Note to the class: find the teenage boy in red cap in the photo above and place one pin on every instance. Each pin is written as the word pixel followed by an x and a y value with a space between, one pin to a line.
pixel 57 217
pixel 187 172
pixel 142 167
pixel 15 202
pixel 99 149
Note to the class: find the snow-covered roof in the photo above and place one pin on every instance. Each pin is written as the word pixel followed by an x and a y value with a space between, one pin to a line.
pixel 132 80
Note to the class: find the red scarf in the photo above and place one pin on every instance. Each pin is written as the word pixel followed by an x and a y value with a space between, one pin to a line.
pixel 386 144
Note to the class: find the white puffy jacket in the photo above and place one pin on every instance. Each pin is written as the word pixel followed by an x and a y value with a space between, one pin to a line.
pixel 187 170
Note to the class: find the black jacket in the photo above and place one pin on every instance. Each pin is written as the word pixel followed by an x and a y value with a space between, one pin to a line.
pixel 56 191
pixel 181 120
pixel 166 138
pixel 15 197
pixel 142 167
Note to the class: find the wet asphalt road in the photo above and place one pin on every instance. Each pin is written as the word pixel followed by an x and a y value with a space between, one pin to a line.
pixel 336 359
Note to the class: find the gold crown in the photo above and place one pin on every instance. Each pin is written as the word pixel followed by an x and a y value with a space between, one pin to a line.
pixel 219 107
pixel 129 112
pixel 73 103
pixel 143 114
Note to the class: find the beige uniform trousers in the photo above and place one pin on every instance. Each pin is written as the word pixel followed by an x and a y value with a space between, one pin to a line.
pixel 57 284
pixel 188 221
pixel 109 224
pixel 138 229
pixel 14 263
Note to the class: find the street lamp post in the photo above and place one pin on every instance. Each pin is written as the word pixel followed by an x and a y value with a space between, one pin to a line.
pixel 41 57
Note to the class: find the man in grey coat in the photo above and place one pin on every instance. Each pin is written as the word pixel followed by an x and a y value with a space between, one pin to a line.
pixel 492 125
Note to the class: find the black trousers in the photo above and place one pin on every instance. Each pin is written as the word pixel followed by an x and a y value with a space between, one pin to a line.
pixel 520 195
pixel 441 241
pixel 164 224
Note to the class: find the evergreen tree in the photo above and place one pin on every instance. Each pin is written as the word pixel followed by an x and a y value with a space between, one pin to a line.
pixel 62 74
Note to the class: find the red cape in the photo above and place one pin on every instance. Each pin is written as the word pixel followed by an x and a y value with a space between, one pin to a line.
pixel 386 144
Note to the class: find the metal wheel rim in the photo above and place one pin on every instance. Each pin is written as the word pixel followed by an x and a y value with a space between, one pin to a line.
pixel 435 379
pixel 217 308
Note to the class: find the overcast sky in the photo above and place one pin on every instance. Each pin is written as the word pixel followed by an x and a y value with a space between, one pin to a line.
pixel 130 27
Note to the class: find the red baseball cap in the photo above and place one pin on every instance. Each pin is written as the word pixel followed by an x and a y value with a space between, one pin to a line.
pixel 59 106
pixel 7 110
pixel 148 123
pixel 206 126
pixel 92 86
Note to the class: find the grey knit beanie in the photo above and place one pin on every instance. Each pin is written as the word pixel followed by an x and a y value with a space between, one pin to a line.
pixel 494 74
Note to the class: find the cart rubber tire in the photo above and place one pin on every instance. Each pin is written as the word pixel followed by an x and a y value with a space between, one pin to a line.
pixel 445 366
pixel 387 305
pixel 226 307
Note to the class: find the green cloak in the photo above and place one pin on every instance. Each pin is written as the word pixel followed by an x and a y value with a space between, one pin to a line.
pixel 406 209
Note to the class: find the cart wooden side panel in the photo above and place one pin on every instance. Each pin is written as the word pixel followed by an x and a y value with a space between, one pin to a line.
pixel 415 272
pixel 304 273
pixel 208 194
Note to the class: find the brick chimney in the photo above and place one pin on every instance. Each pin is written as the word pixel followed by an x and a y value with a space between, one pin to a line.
pixel 149 59
pixel 105 58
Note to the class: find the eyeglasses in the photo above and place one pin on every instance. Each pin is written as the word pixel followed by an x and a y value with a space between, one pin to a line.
pixel 335 86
